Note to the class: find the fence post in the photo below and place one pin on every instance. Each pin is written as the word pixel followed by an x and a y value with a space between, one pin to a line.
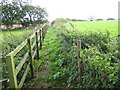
pixel 11 71
pixel 78 57
pixel 30 57
pixel 37 45
pixel 40 32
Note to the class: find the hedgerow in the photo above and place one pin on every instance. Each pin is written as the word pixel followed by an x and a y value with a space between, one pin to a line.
pixel 99 60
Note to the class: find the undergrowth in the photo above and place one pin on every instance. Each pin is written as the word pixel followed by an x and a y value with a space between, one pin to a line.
pixel 99 59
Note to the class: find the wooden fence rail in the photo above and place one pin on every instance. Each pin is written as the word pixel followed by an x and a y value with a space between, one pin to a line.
pixel 30 54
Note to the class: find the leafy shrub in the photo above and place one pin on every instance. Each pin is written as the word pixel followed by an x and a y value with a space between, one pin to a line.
pixel 110 19
pixel 99 60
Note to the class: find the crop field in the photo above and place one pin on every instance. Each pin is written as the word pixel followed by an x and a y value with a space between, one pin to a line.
pixel 96 26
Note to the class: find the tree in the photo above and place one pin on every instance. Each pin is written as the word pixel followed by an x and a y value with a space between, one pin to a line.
pixel 11 13
pixel 99 20
pixel 19 13
pixel 110 19
pixel 8 14
pixel 35 14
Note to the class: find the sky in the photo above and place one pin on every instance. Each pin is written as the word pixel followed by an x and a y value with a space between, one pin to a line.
pixel 79 9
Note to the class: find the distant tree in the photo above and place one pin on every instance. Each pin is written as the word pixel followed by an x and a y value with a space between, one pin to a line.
pixel 72 19
pixel 40 15
pixel 110 19
pixel 99 20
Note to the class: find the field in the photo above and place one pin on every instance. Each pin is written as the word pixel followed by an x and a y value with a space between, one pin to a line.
pixel 97 26
pixel 14 32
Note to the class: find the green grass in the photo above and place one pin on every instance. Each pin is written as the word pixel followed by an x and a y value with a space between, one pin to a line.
pixel 15 32
pixel 96 26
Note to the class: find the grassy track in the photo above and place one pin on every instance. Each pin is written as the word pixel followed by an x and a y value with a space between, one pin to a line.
pixel 48 55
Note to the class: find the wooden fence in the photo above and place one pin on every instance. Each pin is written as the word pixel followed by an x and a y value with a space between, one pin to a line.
pixel 30 54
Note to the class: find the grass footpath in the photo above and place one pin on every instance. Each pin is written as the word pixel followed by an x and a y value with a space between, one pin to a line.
pixel 50 47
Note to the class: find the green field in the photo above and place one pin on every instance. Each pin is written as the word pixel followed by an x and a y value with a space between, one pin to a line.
pixel 96 26
pixel 14 32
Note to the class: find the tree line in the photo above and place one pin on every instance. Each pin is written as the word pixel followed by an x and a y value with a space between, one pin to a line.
pixel 22 14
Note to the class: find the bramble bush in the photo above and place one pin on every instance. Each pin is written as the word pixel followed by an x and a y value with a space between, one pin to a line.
pixel 99 60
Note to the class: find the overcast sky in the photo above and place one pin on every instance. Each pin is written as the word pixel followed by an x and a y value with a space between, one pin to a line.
pixel 79 9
